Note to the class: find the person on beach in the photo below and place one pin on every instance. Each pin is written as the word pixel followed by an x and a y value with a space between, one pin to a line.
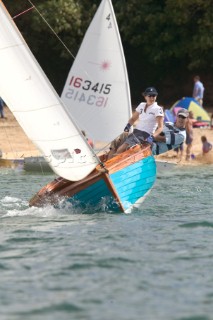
pixel 173 136
pixel 206 145
pixel 198 90
pixel 189 135
pixel 150 121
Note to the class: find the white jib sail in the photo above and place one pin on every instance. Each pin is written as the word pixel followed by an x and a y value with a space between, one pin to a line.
pixel 96 91
pixel 37 107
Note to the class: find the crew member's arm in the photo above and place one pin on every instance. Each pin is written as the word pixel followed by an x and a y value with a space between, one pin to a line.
pixel 188 126
pixel 160 138
pixel 160 126
pixel 131 121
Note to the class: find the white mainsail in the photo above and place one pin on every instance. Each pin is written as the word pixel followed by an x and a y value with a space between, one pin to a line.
pixel 37 107
pixel 96 91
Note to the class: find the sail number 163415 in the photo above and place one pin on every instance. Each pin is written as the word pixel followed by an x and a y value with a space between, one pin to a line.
pixel 88 85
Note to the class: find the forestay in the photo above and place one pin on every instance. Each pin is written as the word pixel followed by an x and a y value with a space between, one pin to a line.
pixel 96 91
pixel 37 107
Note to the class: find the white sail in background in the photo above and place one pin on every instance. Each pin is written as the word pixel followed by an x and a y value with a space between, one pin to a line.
pixel 97 90
pixel 37 107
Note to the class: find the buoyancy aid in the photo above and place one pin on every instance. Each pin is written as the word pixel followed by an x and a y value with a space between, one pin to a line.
pixel 174 138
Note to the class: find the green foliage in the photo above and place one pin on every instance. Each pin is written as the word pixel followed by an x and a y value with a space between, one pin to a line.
pixel 161 38
pixel 45 24
pixel 169 29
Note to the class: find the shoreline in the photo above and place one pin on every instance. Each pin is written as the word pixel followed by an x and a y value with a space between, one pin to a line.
pixel 14 144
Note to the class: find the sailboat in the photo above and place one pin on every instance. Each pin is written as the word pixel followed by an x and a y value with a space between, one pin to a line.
pixel 98 89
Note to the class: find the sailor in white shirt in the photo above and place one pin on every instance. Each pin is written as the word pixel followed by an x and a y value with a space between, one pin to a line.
pixel 150 121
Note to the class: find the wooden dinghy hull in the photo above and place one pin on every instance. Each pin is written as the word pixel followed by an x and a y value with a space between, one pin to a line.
pixel 124 180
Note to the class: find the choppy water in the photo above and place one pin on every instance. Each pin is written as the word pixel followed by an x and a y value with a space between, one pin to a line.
pixel 152 264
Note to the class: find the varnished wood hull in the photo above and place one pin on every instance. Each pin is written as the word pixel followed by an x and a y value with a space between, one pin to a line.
pixel 124 180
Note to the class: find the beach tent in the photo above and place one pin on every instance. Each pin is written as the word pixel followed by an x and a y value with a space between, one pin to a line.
pixel 191 105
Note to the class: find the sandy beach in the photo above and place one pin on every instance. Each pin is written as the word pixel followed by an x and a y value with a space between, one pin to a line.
pixel 14 144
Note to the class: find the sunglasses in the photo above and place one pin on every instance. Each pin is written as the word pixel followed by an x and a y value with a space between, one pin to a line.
pixel 152 95
pixel 182 117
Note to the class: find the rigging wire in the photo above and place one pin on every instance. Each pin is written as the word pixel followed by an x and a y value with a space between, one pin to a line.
pixel 56 35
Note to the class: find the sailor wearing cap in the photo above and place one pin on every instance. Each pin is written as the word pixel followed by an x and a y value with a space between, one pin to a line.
pixel 150 121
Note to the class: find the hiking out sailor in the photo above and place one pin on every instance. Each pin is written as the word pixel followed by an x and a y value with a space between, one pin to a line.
pixel 172 136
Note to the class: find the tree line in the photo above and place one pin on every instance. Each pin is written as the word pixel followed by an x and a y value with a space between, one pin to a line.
pixel 165 42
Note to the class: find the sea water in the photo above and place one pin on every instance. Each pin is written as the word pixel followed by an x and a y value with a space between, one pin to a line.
pixel 155 263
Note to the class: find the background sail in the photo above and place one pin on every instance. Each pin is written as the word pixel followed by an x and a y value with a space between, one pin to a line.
pixel 37 107
pixel 96 91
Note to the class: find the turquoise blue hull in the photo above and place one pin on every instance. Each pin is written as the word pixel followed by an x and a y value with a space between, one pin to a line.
pixel 131 183
pixel 135 181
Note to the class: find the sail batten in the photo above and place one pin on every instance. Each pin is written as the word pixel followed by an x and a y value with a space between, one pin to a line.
pixel 37 107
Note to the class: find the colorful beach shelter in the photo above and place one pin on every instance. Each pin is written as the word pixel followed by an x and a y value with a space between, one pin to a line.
pixel 192 105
